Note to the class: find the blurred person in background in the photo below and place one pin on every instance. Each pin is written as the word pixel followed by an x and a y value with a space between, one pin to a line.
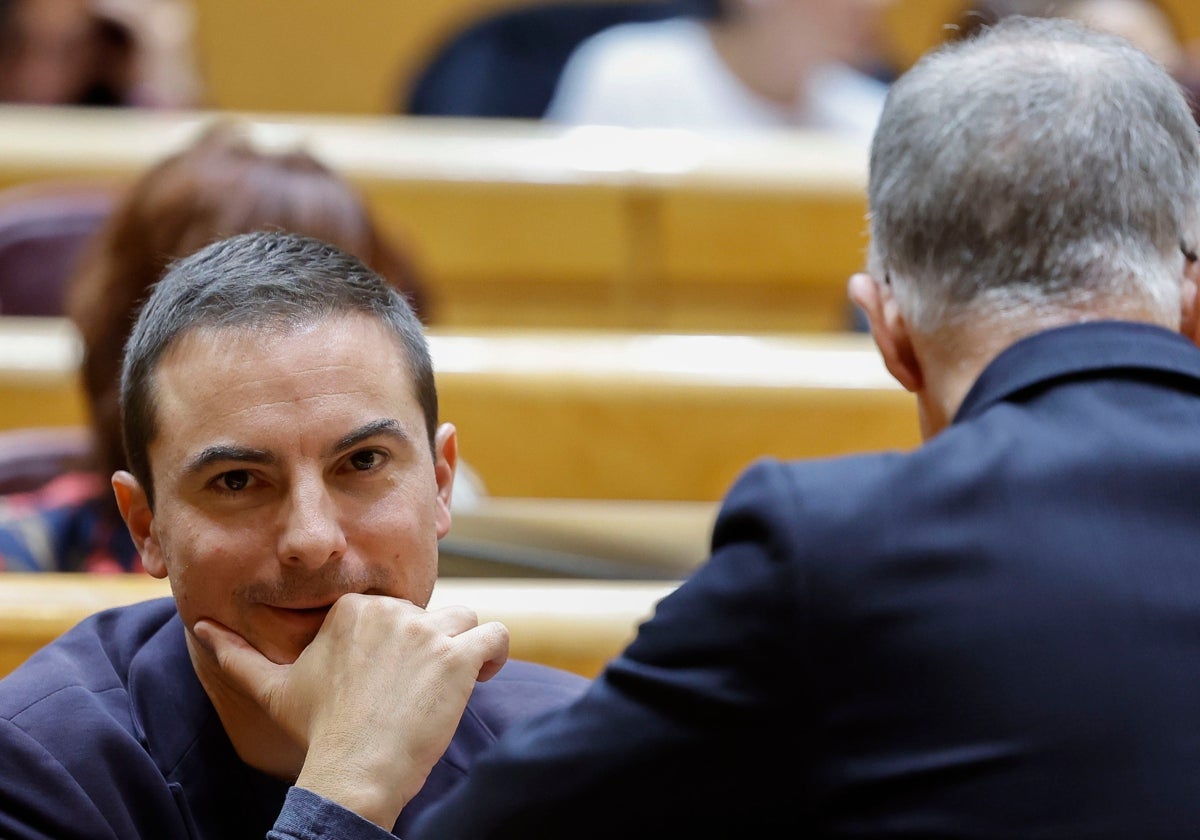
pixel 222 184
pixel 98 52
pixel 758 63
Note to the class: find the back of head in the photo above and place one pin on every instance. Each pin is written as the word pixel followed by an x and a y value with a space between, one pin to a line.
pixel 1039 170
pixel 264 281
pixel 224 183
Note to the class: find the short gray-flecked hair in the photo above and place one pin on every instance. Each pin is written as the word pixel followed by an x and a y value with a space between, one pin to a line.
pixel 258 280
pixel 1039 165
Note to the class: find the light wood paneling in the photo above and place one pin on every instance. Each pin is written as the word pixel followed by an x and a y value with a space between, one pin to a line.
pixel 606 415
pixel 318 56
pixel 576 625
pixel 321 57
pixel 528 225
pixel 660 417
pixel 39 374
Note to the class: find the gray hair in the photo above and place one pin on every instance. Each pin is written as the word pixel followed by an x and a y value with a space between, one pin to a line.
pixel 1039 166
pixel 263 281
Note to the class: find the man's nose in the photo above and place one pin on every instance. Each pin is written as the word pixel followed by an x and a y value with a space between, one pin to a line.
pixel 312 533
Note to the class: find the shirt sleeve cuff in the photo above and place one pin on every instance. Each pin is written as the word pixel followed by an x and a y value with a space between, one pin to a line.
pixel 308 816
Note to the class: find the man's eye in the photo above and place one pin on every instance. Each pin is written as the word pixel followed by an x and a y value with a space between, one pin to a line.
pixel 368 459
pixel 233 480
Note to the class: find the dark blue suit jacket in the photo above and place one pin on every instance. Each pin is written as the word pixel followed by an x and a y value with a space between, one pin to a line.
pixel 995 635
pixel 107 734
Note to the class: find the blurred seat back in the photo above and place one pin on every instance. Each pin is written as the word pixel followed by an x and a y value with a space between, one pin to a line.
pixel 507 64
pixel 43 228
pixel 31 457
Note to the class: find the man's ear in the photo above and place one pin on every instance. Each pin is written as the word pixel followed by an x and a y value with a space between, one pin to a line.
pixel 139 519
pixel 888 328
pixel 445 463
pixel 1189 301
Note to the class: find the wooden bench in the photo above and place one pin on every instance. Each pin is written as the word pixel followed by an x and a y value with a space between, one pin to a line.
pixel 328 60
pixel 529 225
pixel 576 625
pixel 597 539
pixel 319 57
pixel 316 56
pixel 39 373
pixel 659 416
pixel 599 415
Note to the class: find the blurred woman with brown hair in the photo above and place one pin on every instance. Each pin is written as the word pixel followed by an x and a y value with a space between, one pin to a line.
pixel 224 183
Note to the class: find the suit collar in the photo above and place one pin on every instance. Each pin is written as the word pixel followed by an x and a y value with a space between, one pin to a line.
pixel 1076 350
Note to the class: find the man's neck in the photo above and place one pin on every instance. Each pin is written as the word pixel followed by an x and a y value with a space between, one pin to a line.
pixel 952 359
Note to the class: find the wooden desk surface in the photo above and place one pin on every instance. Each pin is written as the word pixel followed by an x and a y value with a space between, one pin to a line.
pixel 659 416
pixel 39 373
pixel 39 142
pixel 599 538
pixel 601 415
pixel 576 625
pixel 526 224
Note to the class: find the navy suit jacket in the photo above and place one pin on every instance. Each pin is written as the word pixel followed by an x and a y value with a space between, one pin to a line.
pixel 994 635
pixel 107 734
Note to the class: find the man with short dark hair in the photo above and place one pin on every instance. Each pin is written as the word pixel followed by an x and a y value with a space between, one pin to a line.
pixel 289 476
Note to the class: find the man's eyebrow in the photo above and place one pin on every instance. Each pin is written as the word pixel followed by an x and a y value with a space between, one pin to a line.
pixel 212 454
pixel 383 426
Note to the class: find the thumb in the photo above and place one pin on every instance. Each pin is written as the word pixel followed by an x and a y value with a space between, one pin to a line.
pixel 256 675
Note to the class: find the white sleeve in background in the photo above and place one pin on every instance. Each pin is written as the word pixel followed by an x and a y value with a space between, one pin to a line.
pixel 662 74
pixel 667 74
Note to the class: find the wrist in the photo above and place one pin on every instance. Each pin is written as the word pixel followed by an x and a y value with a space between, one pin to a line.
pixel 373 794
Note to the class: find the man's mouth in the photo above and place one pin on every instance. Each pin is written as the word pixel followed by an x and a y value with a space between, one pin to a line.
pixel 305 605
pixel 306 615
pixel 310 610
